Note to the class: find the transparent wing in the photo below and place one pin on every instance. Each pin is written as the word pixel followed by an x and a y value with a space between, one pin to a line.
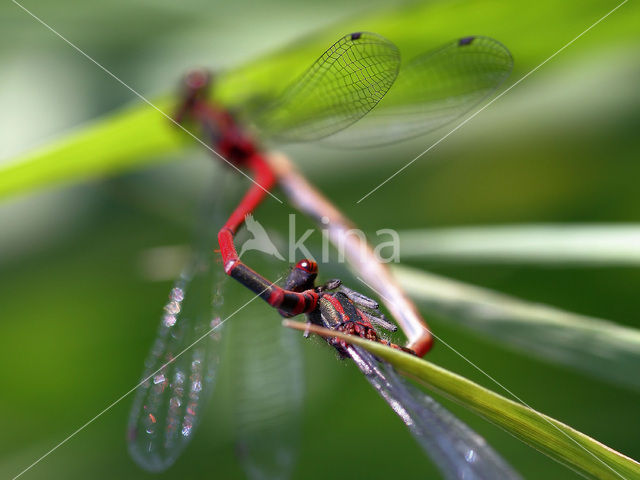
pixel 167 407
pixel 342 86
pixel 268 388
pixel 459 452
pixel 432 90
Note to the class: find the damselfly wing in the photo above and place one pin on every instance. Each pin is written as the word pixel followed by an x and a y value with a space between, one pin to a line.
pixel 267 388
pixel 340 88
pixel 459 452
pixel 359 93
pixel 182 366
pixel 432 90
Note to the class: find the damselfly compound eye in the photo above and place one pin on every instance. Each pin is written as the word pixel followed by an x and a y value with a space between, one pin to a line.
pixel 197 79
pixel 307 266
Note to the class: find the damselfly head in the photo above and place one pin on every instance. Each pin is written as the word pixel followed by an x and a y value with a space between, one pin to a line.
pixel 302 277
pixel 198 79
pixel 195 86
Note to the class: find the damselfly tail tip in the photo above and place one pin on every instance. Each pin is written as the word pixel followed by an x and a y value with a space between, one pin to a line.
pixel 289 323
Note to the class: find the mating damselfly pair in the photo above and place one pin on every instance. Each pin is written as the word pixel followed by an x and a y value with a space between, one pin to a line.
pixel 357 93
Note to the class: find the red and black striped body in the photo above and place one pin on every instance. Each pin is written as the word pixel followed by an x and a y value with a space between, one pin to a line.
pixel 289 303
pixel 333 309
pixel 234 145
pixel 337 312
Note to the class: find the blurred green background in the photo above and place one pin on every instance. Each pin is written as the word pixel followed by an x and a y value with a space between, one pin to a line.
pixel 80 305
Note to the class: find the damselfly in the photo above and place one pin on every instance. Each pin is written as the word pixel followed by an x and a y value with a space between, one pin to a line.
pixel 358 74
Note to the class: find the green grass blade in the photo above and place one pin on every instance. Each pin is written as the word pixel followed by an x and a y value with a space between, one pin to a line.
pixel 128 139
pixel 558 441
pixel 592 345
pixel 584 245
pixel 138 136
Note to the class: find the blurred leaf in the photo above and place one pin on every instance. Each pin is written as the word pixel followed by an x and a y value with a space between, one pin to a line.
pixel 560 442
pixel 595 346
pixel 131 138
pixel 140 135
pixel 267 391
pixel 588 245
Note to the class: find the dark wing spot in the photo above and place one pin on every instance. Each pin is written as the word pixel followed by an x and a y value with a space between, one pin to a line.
pixel 466 41
pixel 356 35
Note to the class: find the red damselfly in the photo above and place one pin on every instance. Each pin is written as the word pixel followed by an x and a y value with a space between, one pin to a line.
pixel 355 93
